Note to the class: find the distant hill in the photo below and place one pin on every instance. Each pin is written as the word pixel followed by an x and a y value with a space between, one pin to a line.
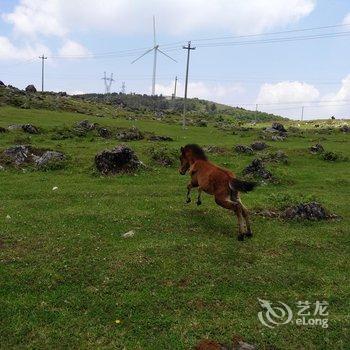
pixel 130 106
pixel 159 103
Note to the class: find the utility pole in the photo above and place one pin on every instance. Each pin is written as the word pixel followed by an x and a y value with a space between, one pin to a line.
pixel 302 113
pixel 175 85
pixel 43 58
pixel 188 48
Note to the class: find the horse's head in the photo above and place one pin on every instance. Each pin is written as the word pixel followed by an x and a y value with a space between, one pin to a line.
pixel 184 161
pixel 189 154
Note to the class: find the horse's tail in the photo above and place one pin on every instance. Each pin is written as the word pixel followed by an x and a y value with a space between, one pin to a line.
pixel 241 186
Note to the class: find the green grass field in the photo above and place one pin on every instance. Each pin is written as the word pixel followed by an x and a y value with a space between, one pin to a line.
pixel 67 274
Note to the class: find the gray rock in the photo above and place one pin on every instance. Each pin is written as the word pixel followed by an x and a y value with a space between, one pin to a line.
pixel 258 145
pixel 1 83
pixel 279 127
pixel 14 127
pixel 49 156
pixel 132 134
pixel 256 168
pixel 30 129
pixel 159 138
pixel 104 132
pixel 18 154
pixel 241 345
pixel 318 148
pixel 202 123
pixel 243 149
pixel 277 138
pixel 345 128
pixel 118 160
pixel 309 211
pixel 86 125
pixel 30 89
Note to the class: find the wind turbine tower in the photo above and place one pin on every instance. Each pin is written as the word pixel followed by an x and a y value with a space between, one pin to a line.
pixel 155 50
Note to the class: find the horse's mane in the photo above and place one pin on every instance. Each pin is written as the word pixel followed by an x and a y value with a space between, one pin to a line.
pixel 196 150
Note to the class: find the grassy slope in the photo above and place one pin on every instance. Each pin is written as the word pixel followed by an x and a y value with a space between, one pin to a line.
pixel 67 275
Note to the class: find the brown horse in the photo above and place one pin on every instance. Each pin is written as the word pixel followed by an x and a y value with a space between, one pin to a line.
pixel 216 181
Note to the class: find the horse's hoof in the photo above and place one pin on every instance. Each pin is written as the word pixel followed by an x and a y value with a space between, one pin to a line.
pixel 199 202
pixel 240 237
pixel 249 234
pixel 188 200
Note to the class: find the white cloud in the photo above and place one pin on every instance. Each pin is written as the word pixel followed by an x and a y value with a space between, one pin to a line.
pixel 287 98
pixel 9 51
pixel 287 91
pixel 212 92
pixel 33 17
pixel 72 48
pixel 346 20
pixel 57 17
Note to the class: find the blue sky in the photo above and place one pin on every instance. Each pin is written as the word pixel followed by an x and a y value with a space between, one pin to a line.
pixel 280 77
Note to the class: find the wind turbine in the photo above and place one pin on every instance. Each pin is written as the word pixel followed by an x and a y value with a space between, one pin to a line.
pixel 155 50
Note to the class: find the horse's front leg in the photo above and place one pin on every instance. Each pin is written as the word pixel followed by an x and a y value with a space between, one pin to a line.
pixel 193 183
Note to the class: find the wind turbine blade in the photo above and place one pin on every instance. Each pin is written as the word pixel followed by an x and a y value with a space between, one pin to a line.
pixel 154 31
pixel 166 55
pixel 142 55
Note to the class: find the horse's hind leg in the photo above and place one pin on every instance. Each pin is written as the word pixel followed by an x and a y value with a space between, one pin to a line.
pixel 245 214
pixel 188 197
pixel 236 207
pixel 199 199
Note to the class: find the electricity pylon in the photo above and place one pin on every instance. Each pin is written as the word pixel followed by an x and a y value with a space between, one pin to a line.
pixel 108 82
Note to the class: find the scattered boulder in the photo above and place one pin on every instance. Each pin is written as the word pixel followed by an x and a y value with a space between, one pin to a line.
pixel 258 145
pixel 86 125
pixel 121 159
pixel 163 155
pixel 257 168
pixel 2 130
pixel 132 134
pixel 160 138
pixel 278 138
pixel 30 129
pixel 14 127
pixel 31 89
pixel 330 156
pixel 279 127
pixel 318 148
pixel 276 157
pixel 18 154
pixel 243 149
pixel 215 149
pixel 25 155
pixel 308 211
pixel 344 128
pixel 202 123
pixel 104 132
pixel 49 156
